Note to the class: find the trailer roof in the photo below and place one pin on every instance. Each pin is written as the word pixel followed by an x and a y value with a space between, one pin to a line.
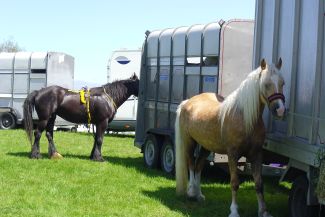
pixel 208 34
pixel 21 60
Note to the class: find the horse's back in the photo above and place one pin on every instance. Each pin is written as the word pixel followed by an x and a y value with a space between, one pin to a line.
pixel 50 93
pixel 200 120
pixel 202 106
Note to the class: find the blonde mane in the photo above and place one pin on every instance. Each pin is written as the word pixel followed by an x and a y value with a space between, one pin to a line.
pixel 244 99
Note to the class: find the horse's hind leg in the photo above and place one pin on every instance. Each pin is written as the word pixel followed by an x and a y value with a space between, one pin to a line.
pixel 52 152
pixel 199 164
pixel 35 152
pixel 256 165
pixel 193 190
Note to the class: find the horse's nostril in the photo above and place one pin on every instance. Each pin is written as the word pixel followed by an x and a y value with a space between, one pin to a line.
pixel 274 110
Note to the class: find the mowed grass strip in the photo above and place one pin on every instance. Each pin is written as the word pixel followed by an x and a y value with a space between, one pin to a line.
pixel 121 186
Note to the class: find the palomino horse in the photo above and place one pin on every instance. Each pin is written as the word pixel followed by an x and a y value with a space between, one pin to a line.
pixel 234 127
pixel 54 100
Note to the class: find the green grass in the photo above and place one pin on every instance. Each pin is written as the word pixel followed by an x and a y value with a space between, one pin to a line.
pixel 121 186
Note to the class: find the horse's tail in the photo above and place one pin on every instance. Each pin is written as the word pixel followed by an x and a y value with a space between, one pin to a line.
pixel 181 162
pixel 28 112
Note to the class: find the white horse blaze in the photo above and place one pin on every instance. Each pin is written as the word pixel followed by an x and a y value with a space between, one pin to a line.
pixel 280 111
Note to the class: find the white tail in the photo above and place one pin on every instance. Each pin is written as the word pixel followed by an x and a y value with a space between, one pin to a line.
pixel 181 163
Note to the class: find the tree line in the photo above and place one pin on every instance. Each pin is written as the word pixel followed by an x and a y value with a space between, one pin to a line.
pixel 10 45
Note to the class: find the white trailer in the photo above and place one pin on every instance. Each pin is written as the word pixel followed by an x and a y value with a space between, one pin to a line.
pixel 23 72
pixel 121 65
pixel 294 30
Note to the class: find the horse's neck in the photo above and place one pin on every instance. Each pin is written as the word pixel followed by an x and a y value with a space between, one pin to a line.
pixel 120 100
pixel 119 95
pixel 246 102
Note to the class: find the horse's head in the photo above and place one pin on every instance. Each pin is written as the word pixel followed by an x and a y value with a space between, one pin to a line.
pixel 271 86
pixel 135 84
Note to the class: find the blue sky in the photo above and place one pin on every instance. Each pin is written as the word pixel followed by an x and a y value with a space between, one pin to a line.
pixel 90 30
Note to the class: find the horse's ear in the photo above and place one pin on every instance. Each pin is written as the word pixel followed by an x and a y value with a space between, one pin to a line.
pixel 134 77
pixel 263 64
pixel 279 64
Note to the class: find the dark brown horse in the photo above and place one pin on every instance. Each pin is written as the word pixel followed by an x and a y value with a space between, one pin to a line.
pixel 233 126
pixel 54 100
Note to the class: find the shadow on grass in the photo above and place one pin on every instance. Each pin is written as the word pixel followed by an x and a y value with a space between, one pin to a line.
pixel 167 196
pixel 45 155
pixel 19 154
pixel 136 163
pixel 210 174
pixel 218 200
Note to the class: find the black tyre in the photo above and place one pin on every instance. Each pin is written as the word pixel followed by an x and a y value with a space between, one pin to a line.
pixel 7 121
pixel 151 151
pixel 167 157
pixel 298 200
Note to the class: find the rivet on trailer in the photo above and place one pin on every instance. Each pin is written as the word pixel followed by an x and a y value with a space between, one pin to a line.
pixel 178 63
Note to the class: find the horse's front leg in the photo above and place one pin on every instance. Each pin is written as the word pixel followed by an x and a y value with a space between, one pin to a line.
pixel 96 153
pixel 256 165
pixel 234 182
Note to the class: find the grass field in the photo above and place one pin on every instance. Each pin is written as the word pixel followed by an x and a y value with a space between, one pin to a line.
pixel 121 186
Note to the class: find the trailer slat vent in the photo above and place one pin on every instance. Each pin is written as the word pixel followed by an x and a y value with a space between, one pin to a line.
pixel 38 71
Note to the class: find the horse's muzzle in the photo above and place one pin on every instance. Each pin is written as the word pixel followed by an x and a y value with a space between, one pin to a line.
pixel 278 111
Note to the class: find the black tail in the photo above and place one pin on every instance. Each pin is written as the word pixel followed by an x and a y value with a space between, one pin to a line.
pixel 28 112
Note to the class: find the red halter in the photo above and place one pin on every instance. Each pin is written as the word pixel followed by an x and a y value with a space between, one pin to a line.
pixel 276 96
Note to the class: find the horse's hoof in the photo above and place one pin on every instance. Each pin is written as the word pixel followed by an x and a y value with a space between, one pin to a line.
pixel 98 159
pixel 200 198
pixel 196 198
pixel 234 215
pixel 191 198
pixel 264 214
pixel 35 156
pixel 56 156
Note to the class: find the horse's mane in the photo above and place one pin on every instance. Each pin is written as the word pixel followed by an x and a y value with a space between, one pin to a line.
pixel 118 89
pixel 244 99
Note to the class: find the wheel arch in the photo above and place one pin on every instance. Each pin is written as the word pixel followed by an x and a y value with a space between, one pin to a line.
pixel 295 170
pixel 12 112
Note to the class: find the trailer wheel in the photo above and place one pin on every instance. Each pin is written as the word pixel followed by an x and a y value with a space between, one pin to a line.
pixel 298 199
pixel 73 129
pixel 7 121
pixel 151 151
pixel 167 157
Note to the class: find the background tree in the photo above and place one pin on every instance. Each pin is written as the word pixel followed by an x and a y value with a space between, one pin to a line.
pixel 10 45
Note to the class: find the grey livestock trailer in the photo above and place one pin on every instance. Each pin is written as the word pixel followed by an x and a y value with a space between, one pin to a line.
pixel 178 63
pixel 23 72
pixel 295 31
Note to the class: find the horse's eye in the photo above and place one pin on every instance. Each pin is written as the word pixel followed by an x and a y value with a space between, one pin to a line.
pixel 268 86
